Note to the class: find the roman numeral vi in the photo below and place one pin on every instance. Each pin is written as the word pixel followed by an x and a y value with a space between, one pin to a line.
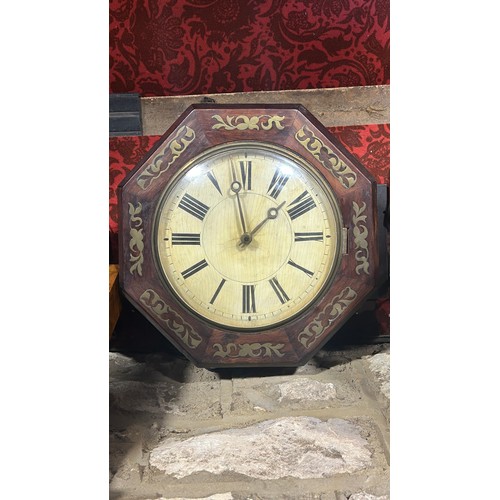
pixel 248 305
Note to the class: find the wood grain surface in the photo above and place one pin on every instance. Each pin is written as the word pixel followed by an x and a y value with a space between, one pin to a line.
pixel 333 106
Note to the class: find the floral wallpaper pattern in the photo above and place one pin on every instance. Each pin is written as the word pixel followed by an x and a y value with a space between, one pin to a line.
pixel 171 47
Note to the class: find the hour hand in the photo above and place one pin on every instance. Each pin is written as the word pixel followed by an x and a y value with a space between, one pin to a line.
pixel 272 213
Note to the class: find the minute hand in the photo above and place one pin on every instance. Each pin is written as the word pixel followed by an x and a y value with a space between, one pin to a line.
pixel 236 188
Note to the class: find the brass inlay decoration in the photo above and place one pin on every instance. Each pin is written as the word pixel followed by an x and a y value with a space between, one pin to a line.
pixel 170 319
pixel 326 156
pixel 326 317
pixel 161 162
pixel 136 244
pixel 242 122
pixel 253 350
pixel 360 232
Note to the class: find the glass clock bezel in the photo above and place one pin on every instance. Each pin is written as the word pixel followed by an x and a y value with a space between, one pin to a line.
pixel 255 145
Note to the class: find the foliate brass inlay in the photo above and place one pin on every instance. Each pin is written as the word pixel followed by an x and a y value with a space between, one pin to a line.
pixel 326 156
pixel 360 232
pixel 136 244
pixel 253 350
pixel 170 318
pixel 161 162
pixel 242 122
pixel 326 317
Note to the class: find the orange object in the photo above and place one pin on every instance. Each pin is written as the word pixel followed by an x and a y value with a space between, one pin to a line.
pixel 115 305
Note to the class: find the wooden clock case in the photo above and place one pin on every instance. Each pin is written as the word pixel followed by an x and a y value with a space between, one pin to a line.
pixel 204 126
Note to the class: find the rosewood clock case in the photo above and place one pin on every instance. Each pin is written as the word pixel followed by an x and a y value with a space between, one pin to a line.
pixel 291 127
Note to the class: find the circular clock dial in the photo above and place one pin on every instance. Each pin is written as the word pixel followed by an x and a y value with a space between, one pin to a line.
pixel 248 235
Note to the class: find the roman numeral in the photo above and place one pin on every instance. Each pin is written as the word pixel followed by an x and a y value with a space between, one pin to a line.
pixel 282 296
pixel 185 238
pixel 193 206
pixel 221 284
pixel 277 183
pixel 303 204
pixel 246 174
pixel 311 236
pixel 303 269
pixel 214 181
pixel 248 305
pixel 194 269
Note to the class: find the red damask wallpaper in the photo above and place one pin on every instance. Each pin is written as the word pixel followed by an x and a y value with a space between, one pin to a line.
pixel 173 47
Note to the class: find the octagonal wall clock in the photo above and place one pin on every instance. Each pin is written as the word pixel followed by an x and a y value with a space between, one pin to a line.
pixel 248 235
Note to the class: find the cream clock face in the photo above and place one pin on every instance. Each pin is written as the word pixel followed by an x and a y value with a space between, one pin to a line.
pixel 248 235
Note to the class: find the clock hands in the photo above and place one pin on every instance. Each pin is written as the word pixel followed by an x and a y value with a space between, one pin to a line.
pixel 236 188
pixel 272 213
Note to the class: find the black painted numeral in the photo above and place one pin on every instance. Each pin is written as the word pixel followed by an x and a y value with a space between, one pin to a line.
pixel 301 205
pixel 303 269
pixel 277 183
pixel 214 181
pixel 193 206
pixel 248 305
pixel 185 238
pixel 219 288
pixel 311 236
pixel 282 296
pixel 194 269
pixel 246 174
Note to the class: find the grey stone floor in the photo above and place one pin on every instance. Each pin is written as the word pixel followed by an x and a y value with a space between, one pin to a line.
pixel 320 431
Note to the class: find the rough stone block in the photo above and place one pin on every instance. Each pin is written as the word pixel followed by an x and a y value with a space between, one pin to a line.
pixel 293 393
pixel 299 447
pixel 302 390
pixel 380 366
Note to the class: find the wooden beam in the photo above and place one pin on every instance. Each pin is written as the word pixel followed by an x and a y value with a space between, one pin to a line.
pixel 333 107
